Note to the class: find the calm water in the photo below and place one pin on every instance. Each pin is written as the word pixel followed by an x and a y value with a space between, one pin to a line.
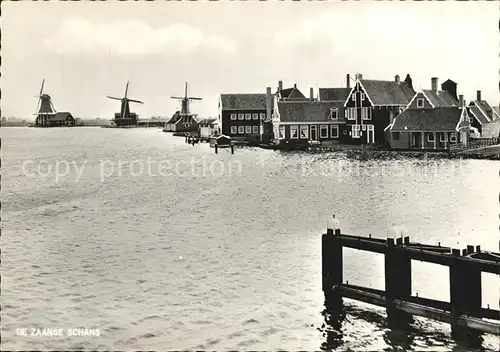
pixel 219 252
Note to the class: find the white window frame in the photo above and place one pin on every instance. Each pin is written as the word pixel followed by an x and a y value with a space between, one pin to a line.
pixel 321 129
pixel 354 96
pixel 420 103
pixel 294 128
pixel 443 137
pixel 248 116
pixel 241 129
pixel 315 128
pixel 255 116
pixel 366 114
pixel 362 96
pixel 241 116
pixel 356 131
pixel 248 129
pixel 334 114
pixel 351 113
pixel 255 129
pixel 233 117
pixel 234 130
pixel 453 137
pixel 430 138
pixel 281 132
pixel 262 116
pixel 304 128
pixel 335 134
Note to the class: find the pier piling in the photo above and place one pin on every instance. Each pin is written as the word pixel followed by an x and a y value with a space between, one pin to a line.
pixel 464 311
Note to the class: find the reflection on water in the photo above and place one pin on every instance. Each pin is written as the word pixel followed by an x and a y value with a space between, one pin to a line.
pixel 226 261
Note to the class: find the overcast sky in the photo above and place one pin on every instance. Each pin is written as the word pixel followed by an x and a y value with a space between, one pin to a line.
pixel 87 50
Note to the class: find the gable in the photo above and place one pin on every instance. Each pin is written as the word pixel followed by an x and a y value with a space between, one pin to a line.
pixel 437 119
pixel 420 98
pixel 387 93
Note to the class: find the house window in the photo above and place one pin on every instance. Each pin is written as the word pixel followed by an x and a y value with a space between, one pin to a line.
pixel 248 116
pixel 255 116
pixel 334 131
pixel 430 137
pixel 362 96
pixel 443 137
pixel 281 132
pixel 241 117
pixel 323 131
pixel 255 129
pixel 334 114
pixel 453 138
pixel 356 133
pixel 234 129
pixel 248 129
pixel 294 134
pixel 395 136
pixel 351 113
pixel 233 116
pixel 354 96
pixel 366 113
pixel 262 116
pixel 420 103
pixel 304 131
pixel 241 129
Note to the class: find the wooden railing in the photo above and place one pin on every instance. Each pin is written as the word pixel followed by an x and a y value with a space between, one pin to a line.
pixel 478 143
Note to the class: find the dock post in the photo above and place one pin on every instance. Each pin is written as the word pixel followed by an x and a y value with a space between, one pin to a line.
pixel 216 149
pixel 232 148
pixel 465 294
pixel 397 281
pixel 332 265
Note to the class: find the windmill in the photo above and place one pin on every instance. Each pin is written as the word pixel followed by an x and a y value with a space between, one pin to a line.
pixel 185 101
pixel 125 117
pixel 44 107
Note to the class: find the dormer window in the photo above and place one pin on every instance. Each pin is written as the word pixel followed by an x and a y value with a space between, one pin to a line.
pixel 420 103
pixel 334 114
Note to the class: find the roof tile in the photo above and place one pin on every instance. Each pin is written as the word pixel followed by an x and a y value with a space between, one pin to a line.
pixel 388 92
pixel 436 119
pixel 252 101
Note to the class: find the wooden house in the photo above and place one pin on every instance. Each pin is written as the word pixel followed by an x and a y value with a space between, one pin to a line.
pixel 372 105
pixel 245 116
pixel 207 128
pixel 429 128
pixel 434 98
pixel 484 118
pixel 182 123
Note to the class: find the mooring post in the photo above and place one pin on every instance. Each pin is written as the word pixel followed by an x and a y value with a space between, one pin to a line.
pixel 232 148
pixel 397 280
pixel 216 149
pixel 332 265
pixel 465 292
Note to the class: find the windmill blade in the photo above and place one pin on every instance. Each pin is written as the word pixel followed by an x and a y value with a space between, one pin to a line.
pixel 107 96
pixel 186 90
pixel 41 88
pixel 135 101
pixel 126 89
pixel 191 98
pixel 181 98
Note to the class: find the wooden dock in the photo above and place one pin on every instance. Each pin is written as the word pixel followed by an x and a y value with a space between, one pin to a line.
pixel 464 312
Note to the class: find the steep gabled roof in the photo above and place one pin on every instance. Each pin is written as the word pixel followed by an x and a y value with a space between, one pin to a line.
pixel 477 114
pixel 60 116
pixel 387 92
pixel 206 122
pixel 333 94
pixel 251 101
pixel 486 110
pixel 440 98
pixel 302 111
pixel 436 119
pixel 292 93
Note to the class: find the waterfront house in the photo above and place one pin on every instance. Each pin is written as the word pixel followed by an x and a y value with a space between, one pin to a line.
pixel 55 119
pixel 182 123
pixel 208 127
pixel 245 117
pixel 484 118
pixel 434 98
pixel 372 105
pixel 430 128
pixel 289 93
pixel 297 122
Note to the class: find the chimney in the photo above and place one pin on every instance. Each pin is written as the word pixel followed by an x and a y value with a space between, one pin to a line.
pixel 359 76
pixel 280 86
pixel 295 85
pixel 348 80
pixel 434 84
pixel 311 93
pixel 478 95
pixel 461 100
pixel 269 103
pixel 396 79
